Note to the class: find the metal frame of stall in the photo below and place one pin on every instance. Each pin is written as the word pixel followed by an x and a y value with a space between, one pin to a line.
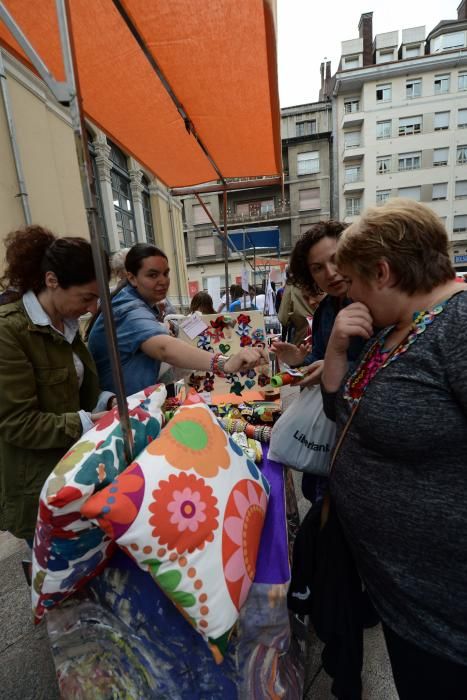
pixel 68 94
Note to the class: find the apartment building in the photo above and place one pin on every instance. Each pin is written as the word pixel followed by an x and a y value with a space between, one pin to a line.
pixel 133 206
pixel 401 122
pixel 305 198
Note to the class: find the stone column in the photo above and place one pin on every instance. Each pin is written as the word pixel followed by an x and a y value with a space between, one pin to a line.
pixel 104 164
pixel 168 233
pixel 136 187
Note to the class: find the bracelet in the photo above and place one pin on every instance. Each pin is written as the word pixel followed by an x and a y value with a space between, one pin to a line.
pixel 218 364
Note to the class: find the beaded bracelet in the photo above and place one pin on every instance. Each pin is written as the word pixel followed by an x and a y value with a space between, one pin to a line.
pixel 218 364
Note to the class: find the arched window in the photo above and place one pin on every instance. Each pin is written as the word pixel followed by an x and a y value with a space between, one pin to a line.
pixel 96 190
pixel 121 195
pixel 147 213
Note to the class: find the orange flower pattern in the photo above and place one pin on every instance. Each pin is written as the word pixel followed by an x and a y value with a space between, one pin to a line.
pixel 184 513
pixel 193 440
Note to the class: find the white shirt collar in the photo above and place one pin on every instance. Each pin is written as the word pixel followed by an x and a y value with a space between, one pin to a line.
pixel 39 317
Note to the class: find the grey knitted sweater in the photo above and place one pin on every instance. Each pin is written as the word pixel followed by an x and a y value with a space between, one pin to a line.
pixel 400 486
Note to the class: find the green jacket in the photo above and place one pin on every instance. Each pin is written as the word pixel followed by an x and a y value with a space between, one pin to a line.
pixel 39 400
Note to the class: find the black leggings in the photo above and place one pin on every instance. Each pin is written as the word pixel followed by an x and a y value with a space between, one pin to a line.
pixel 420 675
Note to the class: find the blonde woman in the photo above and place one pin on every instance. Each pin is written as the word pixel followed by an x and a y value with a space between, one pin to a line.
pixel 399 479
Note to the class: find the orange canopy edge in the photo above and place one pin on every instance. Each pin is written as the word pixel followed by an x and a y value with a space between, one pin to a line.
pixel 219 57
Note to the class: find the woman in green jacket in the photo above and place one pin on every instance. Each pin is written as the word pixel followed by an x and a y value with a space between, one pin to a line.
pixel 48 381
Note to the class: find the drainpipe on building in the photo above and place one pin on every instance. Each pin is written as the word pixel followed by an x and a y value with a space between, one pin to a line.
pixel 22 194
pixel 335 208
pixel 174 253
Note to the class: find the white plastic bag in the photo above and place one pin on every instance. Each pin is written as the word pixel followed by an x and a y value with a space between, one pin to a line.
pixel 303 437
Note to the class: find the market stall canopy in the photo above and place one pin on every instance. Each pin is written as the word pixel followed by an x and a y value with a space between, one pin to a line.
pixel 217 117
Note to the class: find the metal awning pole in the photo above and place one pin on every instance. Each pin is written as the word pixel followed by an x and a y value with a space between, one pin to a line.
pixel 79 130
pixel 226 251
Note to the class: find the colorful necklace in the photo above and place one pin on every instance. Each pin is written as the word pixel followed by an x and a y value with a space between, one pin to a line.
pixel 375 359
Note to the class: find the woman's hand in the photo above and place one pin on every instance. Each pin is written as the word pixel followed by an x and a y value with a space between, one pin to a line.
pixel 313 375
pixel 247 358
pixel 354 320
pixel 289 353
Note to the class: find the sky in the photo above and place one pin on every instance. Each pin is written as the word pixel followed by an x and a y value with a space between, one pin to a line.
pixel 310 31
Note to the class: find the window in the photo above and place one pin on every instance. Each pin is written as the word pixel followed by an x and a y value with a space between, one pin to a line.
pixel 352 139
pixel 352 61
pixel 462 81
pixel 257 208
pixel 441 84
pixel 440 191
pixel 353 173
pixel 96 191
pixel 410 193
pixel 200 216
pixel 386 55
pixel 383 93
pixel 412 51
pixel 445 42
pixel 413 88
pixel 461 189
pixel 305 128
pixel 309 198
pixel 383 165
pixel 205 246
pixel 461 155
pixel 441 121
pixel 410 125
pixel 462 119
pixel 460 223
pixel 352 106
pixel 352 206
pixel 308 163
pixel 410 161
pixel 121 195
pixel 383 129
pixel 440 156
pixel 147 213
pixel 382 196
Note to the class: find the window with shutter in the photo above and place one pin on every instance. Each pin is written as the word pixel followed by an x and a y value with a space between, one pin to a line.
pixel 309 198
pixel 461 189
pixel 440 156
pixel 462 119
pixel 440 191
pixel 308 163
pixel 199 215
pixel 441 121
pixel 352 139
pixel 410 193
pixel 410 125
pixel 460 223
pixel 205 246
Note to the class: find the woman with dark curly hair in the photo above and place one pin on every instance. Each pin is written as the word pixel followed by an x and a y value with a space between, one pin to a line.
pixel 313 267
pixel 48 381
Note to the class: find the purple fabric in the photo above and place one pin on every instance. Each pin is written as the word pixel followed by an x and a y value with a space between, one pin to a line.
pixel 272 565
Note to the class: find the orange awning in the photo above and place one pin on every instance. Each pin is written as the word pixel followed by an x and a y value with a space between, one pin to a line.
pixel 218 57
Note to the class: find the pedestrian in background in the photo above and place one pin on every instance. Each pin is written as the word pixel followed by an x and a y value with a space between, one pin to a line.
pixel 202 302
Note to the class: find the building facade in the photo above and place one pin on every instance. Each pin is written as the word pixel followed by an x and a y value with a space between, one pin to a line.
pixel 400 117
pixel 305 198
pixel 133 206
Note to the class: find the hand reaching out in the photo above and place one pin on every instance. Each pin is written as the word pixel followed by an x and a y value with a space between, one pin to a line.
pixel 247 358
pixel 289 353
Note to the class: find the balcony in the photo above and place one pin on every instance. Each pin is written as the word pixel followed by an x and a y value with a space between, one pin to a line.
pixel 276 209
pixel 353 151
pixel 353 114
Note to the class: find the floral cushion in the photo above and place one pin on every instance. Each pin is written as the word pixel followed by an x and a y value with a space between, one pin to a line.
pixel 190 510
pixel 68 549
